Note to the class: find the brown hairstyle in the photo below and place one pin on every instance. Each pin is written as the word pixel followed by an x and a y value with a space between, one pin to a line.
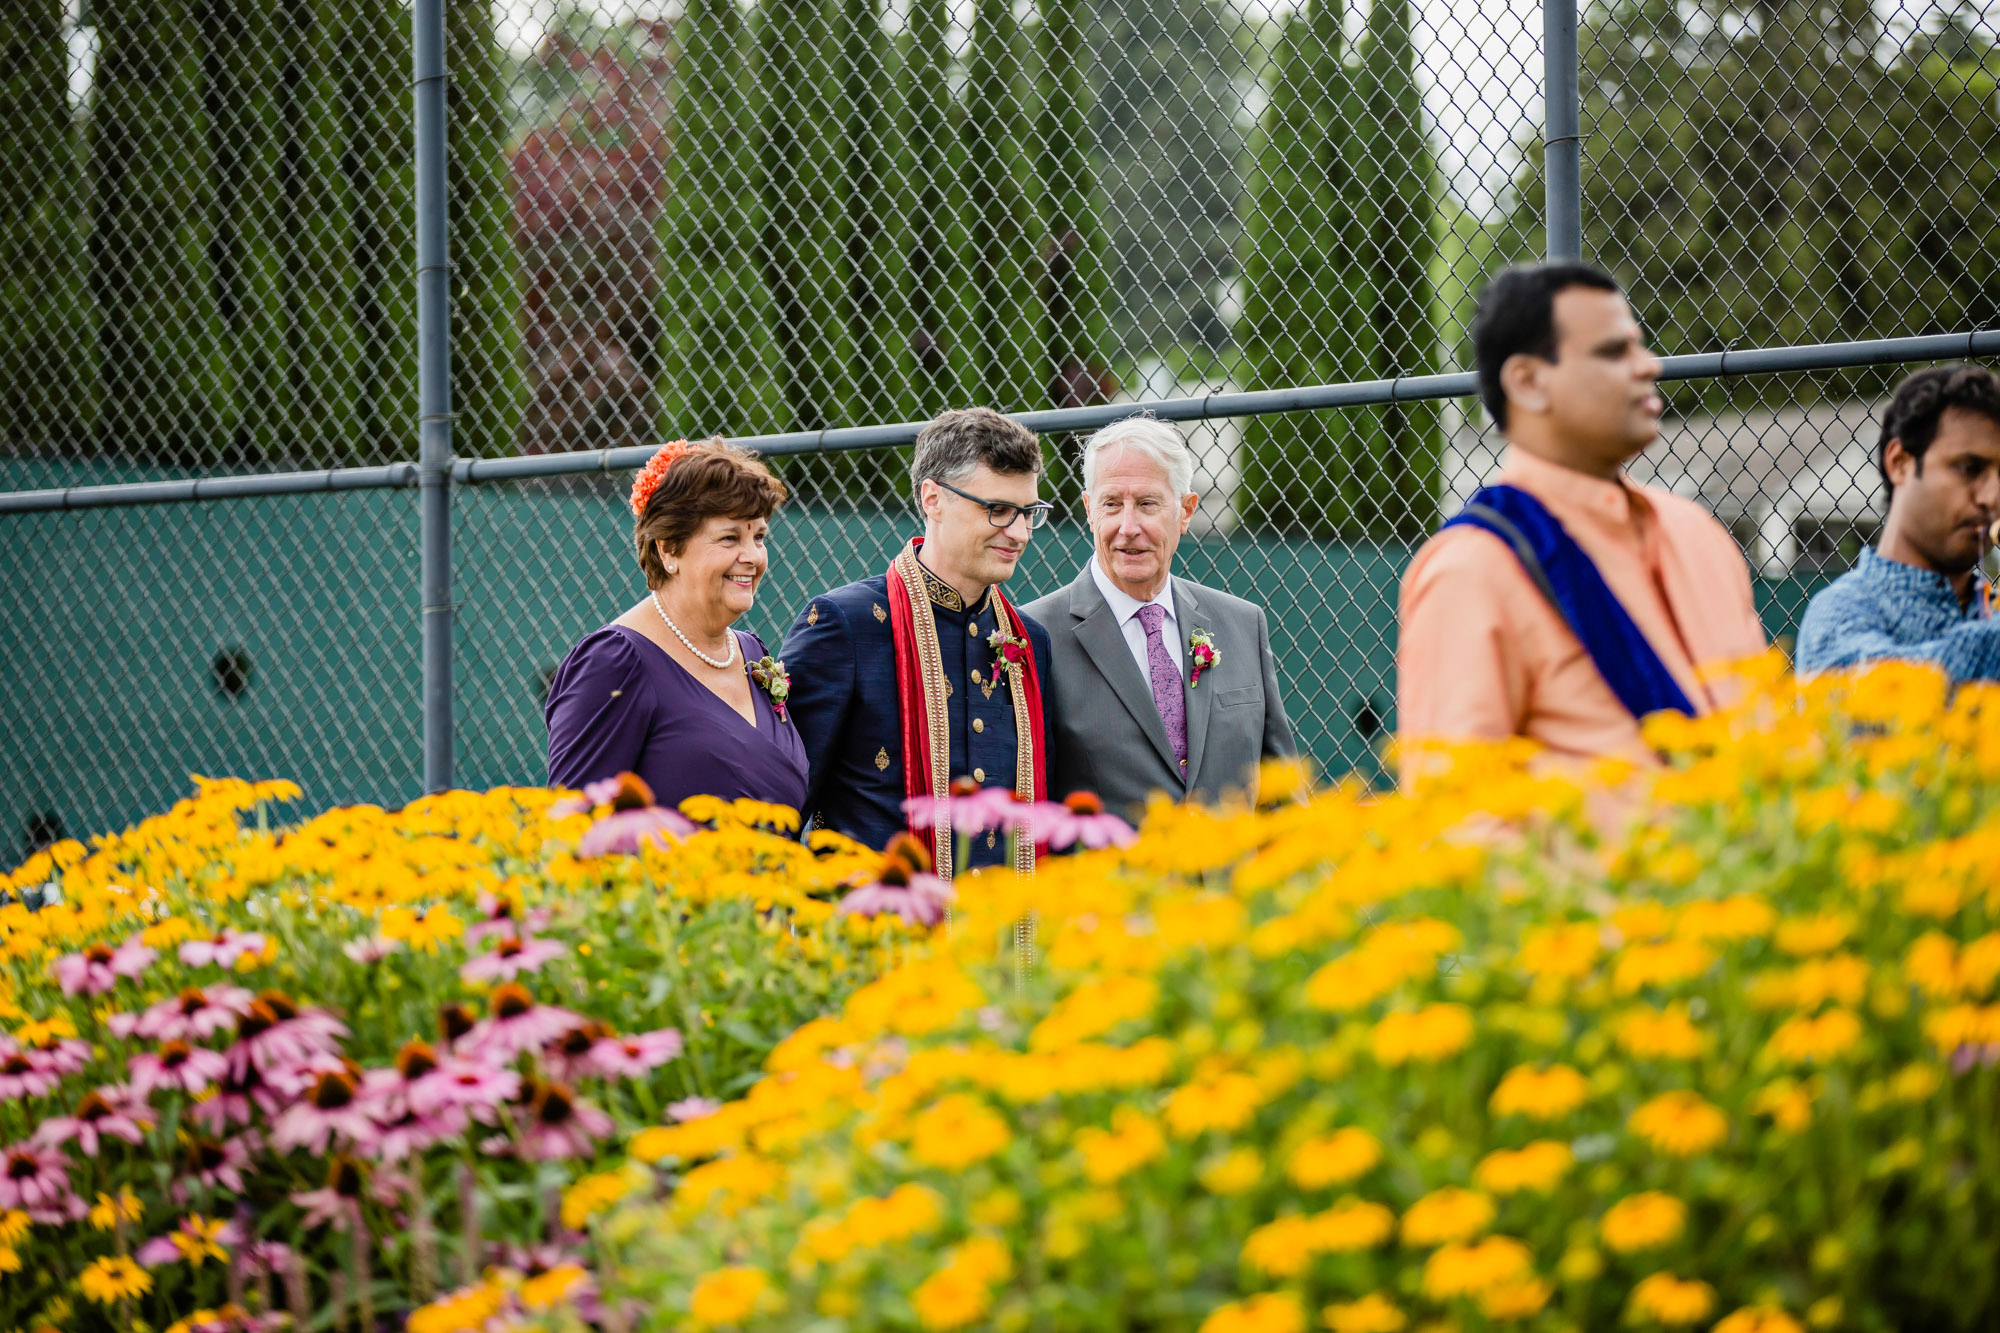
pixel 713 479
pixel 952 444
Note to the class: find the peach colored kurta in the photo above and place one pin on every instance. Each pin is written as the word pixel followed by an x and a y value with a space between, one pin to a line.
pixel 1482 655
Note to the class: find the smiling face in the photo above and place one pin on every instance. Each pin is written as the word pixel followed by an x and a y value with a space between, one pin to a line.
pixel 1945 501
pixel 961 545
pixel 1597 405
pixel 715 575
pixel 1136 520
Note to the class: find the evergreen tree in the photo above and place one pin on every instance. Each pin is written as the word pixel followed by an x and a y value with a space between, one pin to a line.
pixel 486 356
pixel 45 370
pixel 930 200
pixel 714 306
pixel 1007 332
pixel 876 232
pixel 1309 308
pixel 1400 470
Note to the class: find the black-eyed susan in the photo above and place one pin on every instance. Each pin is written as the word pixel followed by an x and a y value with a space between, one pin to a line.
pixel 113 1278
pixel 1673 1301
pixel 1680 1124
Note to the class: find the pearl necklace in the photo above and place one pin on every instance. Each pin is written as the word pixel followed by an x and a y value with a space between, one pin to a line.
pixel 725 663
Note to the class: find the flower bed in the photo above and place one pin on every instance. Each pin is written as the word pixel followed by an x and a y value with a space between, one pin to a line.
pixel 1354 1063
pixel 1368 1065
pixel 333 1068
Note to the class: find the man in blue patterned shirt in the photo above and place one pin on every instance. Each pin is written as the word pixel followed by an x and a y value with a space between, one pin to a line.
pixel 1918 596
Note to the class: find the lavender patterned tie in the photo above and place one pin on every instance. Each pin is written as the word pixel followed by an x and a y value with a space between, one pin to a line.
pixel 1169 696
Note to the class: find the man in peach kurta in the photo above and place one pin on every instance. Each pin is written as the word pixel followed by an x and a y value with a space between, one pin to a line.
pixel 1483 652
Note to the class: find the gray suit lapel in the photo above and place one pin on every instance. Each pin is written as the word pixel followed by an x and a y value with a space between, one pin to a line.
pixel 1187 613
pixel 1098 633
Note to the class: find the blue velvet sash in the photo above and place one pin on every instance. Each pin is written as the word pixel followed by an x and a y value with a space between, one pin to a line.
pixel 1571 582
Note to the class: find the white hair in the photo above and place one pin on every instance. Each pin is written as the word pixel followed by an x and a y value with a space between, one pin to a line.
pixel 1146 434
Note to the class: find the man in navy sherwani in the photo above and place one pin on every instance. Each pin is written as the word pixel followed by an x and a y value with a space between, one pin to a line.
pixel 906 681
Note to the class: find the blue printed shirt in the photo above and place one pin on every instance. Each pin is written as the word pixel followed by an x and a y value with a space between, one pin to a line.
pixel 1883 610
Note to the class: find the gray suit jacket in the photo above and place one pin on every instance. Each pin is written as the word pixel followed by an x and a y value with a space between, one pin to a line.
pixel 1110 739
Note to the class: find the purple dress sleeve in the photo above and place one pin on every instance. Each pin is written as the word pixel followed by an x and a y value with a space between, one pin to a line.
pixel 600 711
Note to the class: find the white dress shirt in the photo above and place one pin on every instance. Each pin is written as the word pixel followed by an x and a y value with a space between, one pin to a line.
pixel 1126 608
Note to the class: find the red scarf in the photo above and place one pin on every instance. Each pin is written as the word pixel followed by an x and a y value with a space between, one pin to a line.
pixel 921 698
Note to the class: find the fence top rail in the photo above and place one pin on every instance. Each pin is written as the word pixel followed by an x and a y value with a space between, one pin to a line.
pixel 1203 407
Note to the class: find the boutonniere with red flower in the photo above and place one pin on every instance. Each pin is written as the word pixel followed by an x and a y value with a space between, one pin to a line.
pixel 1010 654
pixel 1201 655
pixel 774 680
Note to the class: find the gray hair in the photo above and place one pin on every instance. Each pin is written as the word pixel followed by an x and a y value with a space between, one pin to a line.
pixel 1146 434
pixel 952 444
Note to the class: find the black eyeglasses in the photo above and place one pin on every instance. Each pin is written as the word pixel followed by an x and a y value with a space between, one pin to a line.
pixel 1001 514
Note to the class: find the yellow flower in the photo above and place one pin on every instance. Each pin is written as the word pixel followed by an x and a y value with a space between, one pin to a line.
pixel 1566 952
pixel 1223 1101
pixel 996 1208
pixel 1643 1221
pixel 1914 1083
pixel 1435 1032
pixel 107 1211
pixel 46 1031
pixel 1373 1313
pixel 1466 1270
pixel 1680 1124
pixel 458 1311
pixel 545 1291
pixel 952 1297
pixel 1514 1300
pixel 1666 1299
pixel 423 930
pixel 1659 1034
pixel 727 1295
pixel 1271 1312
pixel 14 1224
pixel 1446 1215
pixel 1758 1319
pixel 1133 1140
pixel 113 1278
pixel 1536 1167
pixel 10 1259
pixel 1663 964
pixel 1352 1224
pixel 199 1239
pixel 1540 1094
pixel 1803 935
pixel 1963 1025
pixel 594 1193
pixel 167 932
pixel 1804 1040
pixel 1234 1172
pixel 1333 1159
pixel 1282 1249
pixel 1739 918
pixel 958 1131
pixel 1787 1101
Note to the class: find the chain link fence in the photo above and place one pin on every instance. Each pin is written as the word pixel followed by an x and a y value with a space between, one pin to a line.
pixel 773 217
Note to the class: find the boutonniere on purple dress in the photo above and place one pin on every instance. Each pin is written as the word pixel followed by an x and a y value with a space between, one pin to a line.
pixel 774 680
pixel 1201 655
pixel 1010 654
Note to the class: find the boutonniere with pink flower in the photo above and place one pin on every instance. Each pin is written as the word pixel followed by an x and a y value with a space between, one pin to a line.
pixel 1010 653
pixel 774 680
pixel 1202 655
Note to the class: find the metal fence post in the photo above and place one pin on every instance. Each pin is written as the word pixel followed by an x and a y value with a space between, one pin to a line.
pixel 434 389
pixel 1562 142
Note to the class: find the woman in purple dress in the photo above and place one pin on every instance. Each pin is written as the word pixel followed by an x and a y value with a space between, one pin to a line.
pixel 669 690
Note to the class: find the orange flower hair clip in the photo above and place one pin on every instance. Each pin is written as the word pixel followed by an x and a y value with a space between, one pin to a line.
pixel 653 473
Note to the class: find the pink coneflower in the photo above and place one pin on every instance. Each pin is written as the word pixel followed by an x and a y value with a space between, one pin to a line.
pixel 36 1181
pixel 972 808
pixel 66 1055
pixel 329 1107
pixel 224 950
pixel 219 1163
pixel 411 1134
pixel 236 1101
pixel 568 1056
pixel 510 958
pixel 558 1126
pixel 469 1087
pixel 195 1013
pixel 195 1241
pixel 27 1073
pixel 517 1024
pixel 904 887
pixel 627 791
pixel 1079 818
pixel 176 1065
pixel 277 1032
pixel 338 1202
pixel 498 916
pixel 96 969
pixel 385 1092
pixel 623 832
pixel 370 949
pixel 112 1109
pixel 629 1057
pixel 692 1108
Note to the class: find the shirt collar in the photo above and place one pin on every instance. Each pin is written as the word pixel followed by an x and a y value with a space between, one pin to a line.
pixel 1123 604
pixel 1909 581
pixel 1611 499
pixel 942 593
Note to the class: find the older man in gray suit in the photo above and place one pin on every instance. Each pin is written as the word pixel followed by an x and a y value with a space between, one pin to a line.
pixel 1160 684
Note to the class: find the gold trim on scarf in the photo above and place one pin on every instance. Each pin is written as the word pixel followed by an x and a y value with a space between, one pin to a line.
pixel 937 716
pixel 1024 739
